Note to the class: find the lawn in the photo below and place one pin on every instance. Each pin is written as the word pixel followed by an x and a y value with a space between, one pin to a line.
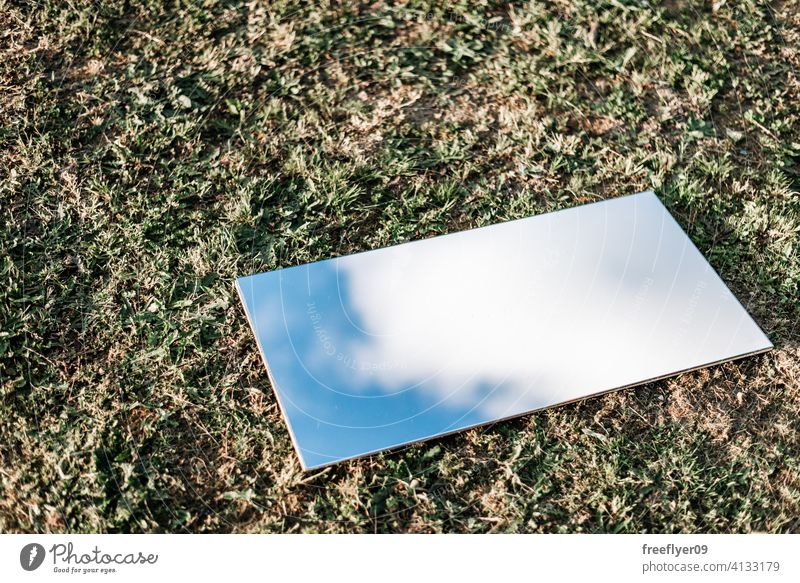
pixel 152 152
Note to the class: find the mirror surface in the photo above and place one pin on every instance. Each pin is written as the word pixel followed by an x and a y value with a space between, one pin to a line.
pixel 383 348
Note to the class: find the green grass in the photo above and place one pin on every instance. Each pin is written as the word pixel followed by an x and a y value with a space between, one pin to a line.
pixel 151 153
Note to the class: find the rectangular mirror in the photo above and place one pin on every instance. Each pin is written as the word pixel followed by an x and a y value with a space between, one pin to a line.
pixel 388 347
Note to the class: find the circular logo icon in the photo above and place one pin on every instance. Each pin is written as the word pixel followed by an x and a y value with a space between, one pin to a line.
pixel 31 556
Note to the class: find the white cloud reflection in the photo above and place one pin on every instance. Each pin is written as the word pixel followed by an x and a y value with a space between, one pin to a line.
pixel 542 311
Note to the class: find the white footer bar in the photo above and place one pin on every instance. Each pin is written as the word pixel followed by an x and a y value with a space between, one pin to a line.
pixel 354 558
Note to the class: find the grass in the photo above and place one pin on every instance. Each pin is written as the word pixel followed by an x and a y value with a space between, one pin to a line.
pixel 152 152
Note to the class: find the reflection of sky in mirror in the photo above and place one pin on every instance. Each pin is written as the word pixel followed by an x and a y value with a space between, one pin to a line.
pixel 396 345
